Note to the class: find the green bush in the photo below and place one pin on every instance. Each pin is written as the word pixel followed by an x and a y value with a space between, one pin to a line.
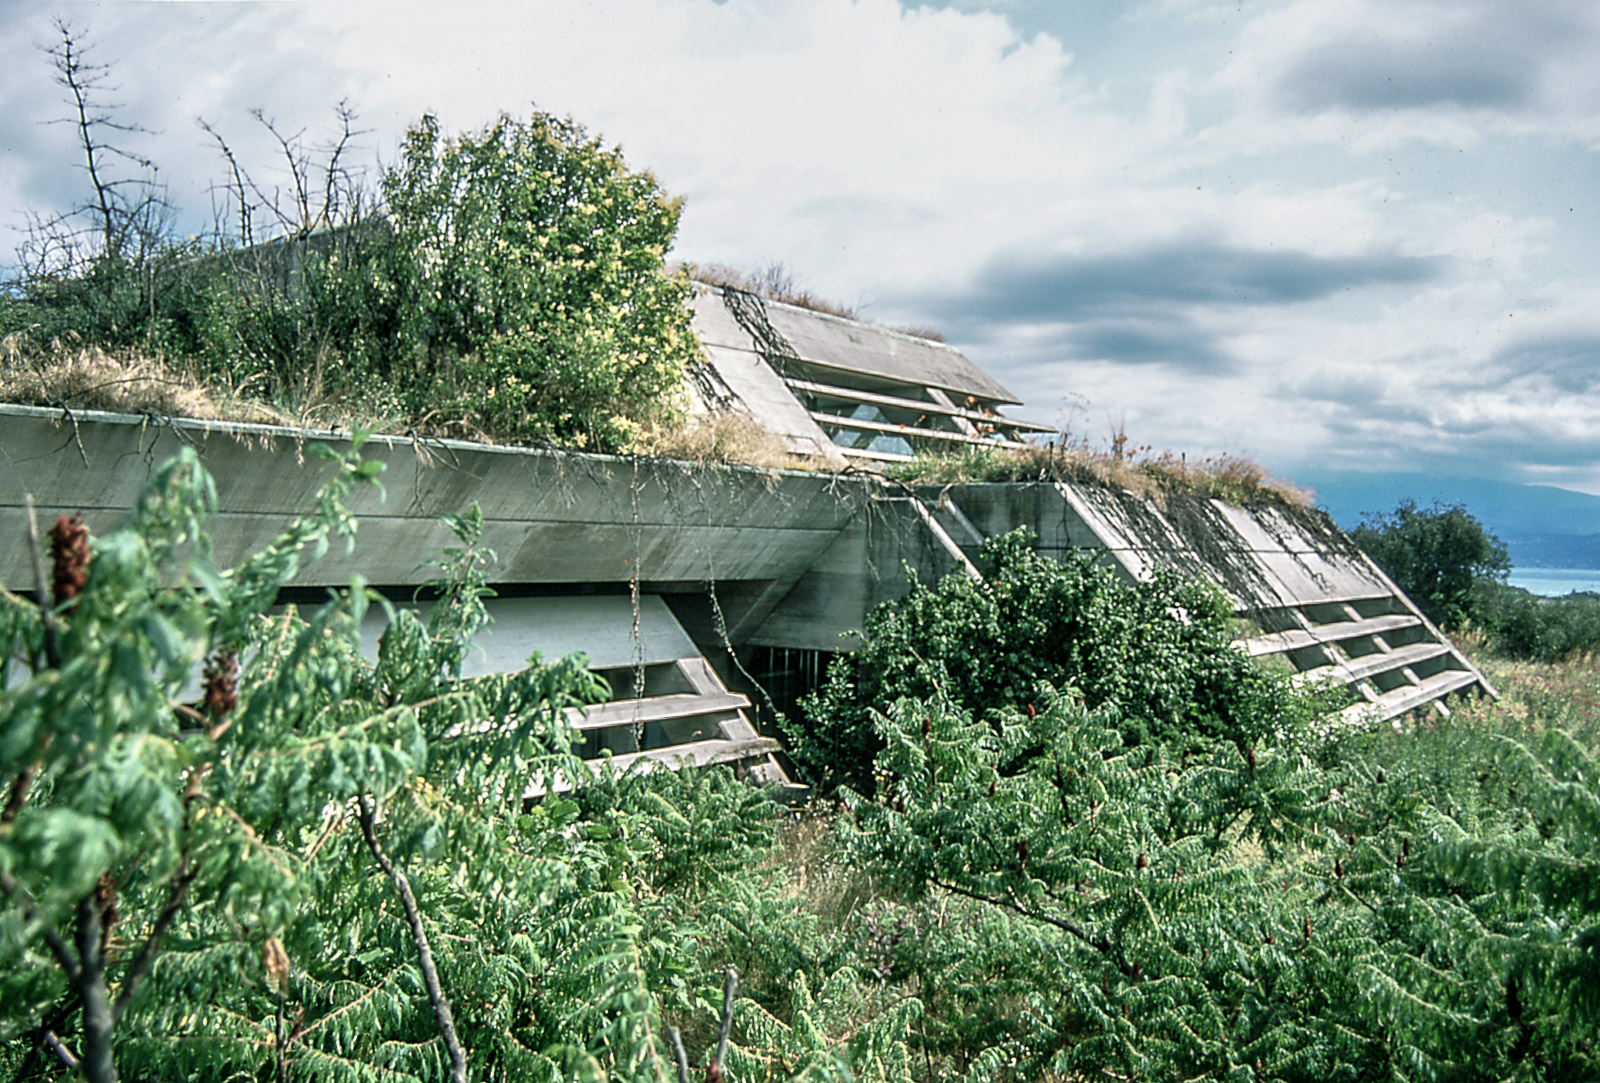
pixel 1436 555
pixel 1388 906
pixel 1159 652
pixel 530 282
pixel 1521 624
pixel 193 884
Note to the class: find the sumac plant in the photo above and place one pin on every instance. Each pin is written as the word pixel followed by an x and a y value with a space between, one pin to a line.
pixel 1385 906
pixel 233 847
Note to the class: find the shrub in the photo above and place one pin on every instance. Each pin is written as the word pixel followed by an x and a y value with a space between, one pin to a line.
pixel 529 282
pixel 1389 906
pixel 1159 652
pixel 286 872
pixel 1524 625
pixel 511 287
pixel 1229 478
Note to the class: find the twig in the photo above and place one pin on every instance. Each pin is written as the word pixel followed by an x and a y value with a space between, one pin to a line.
pixel 177 892
pixel 714 1072
pixel 58 947
pixel 419 936
pixel 62 1053
pixel 77 436
pixel 41 591
pixel 282 1069
pixel 19 792
pixel 678 1055
pixel 1100 943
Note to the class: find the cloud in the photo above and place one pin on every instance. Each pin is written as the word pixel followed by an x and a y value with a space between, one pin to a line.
pixel 1371 75
pixel 1177 304
pixel 1566 364
pixel 1484 58
pixel 1307 249
pixel 1200 272
pixel 1169 340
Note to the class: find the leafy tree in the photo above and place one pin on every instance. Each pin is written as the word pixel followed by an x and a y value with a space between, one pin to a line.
pixel 1435 555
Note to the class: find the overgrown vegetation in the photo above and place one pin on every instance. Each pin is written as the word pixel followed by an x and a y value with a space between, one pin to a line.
pixel 1281 902
pixel 1139 470
pixel 1436 555
pixel 321 867
pixel 507 284
pixel 207 882
pixel 1158 654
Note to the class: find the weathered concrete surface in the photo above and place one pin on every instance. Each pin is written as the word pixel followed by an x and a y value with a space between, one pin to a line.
pixel 738 379
pixel 852 346
pixel 550 517
pixel 867 564
pixel 795 558
pixel 828 387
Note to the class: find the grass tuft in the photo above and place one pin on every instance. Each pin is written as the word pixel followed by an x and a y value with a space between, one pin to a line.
pixel 1232 479
pixel 89 378
pixel 721 438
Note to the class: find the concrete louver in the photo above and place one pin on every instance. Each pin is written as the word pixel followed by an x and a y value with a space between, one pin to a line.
pixel 837 389
pixel 831 387
pixel 668 705
pixel 1301 588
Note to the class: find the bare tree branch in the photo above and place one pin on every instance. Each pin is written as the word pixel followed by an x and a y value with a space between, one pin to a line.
pixel 419 937
pixel 236 186
pixel 294 156
pixel 117 216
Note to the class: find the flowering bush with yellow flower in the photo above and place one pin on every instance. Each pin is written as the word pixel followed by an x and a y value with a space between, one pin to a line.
pixel 533 302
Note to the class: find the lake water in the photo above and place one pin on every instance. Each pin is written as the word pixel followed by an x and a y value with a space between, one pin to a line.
pixel 1555 581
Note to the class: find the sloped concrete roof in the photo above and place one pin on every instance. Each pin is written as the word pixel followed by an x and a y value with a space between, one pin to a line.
pixel 828 386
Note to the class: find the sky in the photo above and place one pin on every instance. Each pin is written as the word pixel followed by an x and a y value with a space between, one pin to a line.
pixel 1325 234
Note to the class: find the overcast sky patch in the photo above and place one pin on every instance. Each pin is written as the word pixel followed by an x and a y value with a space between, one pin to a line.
pixel 1570 362
pixel 1359 75
pixel 1296 229
pixel 1159 278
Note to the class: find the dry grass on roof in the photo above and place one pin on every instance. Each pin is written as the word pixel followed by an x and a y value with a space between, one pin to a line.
pixel 1230 478
pixel 89 378
pixel 722 438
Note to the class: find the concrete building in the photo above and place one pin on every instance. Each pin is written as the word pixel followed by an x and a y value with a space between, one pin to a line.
pixel 708 595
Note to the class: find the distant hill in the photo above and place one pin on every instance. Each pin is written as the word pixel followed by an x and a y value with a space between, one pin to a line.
pixel 1543 527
